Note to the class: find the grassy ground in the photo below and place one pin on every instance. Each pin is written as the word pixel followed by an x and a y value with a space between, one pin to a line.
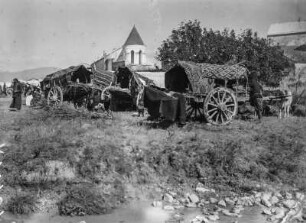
pixel 62 158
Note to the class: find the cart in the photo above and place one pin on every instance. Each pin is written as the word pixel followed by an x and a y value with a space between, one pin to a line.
pixel 212 91
pixel 76 84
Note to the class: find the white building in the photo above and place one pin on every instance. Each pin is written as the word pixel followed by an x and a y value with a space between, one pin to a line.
pixel 291 37
pixel 132 53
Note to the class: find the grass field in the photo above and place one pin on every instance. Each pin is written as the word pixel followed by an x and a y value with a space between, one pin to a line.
pixel 59 158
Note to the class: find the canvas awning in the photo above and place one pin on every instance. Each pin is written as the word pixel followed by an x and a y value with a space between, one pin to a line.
pixel 81 73
pixel 213 71
pixel 197 75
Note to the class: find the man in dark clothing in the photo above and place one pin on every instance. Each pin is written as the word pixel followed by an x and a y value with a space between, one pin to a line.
pixel 256 94
pixel 17 91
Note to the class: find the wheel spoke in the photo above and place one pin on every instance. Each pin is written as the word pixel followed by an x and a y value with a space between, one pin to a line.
pixel 201 114
pixel 215 99
pixel 230 105
pixel 230 111
pixel 226 116
pixel 211 110
pixel 218 115
pixel 222 120
pixel 227 100
pixel 218 95
pixel 212 104
pixel 211 116
pixel 223 96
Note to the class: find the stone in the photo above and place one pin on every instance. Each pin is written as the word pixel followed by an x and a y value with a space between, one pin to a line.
pixel 222 203
pixel 266 196
pixel 266 211
pixel 193 198
pixel 274 200
pixel 200 219
pixel 213 217
pixel 213 200
pixel 157 204
pixel 265 199
pixel 278 195
pixel 229 201
pixel 289 204
pixel 191 205
pixel 179 207
pixel 168 208
pixel 173 194
pixel 203 201
pixel 200 188
pixel 257 194
pixel 168 198
pixel 299 196
pixel 237 209
pixel 279 213
pixel 228 213
pixel 288 196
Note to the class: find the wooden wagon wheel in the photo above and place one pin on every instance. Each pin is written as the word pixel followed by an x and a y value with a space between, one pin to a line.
pixel 9 91
pixel 220 106
pixel 194 108
pixel 55 96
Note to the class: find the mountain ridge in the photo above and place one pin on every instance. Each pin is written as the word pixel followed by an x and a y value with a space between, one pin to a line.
pixel 38 73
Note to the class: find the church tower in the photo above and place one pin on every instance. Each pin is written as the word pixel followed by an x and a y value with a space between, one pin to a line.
pixel 134 49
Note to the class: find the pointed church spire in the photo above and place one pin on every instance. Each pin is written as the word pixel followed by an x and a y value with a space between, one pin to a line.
pixel 134 38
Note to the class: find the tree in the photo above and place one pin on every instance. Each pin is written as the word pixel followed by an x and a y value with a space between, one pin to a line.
pixel 191 42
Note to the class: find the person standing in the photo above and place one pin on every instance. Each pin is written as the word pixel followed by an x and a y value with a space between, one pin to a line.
pixel 256 97
pixel 17 91
pixel 4 89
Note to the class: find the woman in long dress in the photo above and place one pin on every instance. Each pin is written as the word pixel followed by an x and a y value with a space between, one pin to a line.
pixel 17 91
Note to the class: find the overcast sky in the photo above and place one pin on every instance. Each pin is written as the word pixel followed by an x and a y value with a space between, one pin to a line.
pixel 61 33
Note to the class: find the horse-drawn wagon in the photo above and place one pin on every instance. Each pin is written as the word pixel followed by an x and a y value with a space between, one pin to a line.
pixel 76 84
pixel 213 91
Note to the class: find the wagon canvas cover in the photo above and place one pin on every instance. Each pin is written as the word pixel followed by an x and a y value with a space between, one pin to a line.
pixel 199 73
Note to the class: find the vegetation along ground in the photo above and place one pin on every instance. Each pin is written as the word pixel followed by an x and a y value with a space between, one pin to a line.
pixel 70 161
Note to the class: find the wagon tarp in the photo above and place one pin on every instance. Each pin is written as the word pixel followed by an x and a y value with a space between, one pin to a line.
pixel 75 72
pixel 198 75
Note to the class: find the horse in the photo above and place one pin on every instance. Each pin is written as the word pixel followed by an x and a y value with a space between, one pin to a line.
pixel 286 104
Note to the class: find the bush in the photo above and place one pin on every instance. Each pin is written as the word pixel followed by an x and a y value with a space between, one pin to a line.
pixel 84 200
pixel 22 204
pixel 299 110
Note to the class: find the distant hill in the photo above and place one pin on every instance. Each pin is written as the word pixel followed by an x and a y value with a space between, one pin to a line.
pixel 39 73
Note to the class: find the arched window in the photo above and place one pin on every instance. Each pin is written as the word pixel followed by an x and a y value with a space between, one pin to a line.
pixel 132 57
pixel 140 57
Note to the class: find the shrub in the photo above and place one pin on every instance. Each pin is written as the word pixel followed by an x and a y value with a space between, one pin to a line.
pixel 299 110
pixel 84 200
pixel 22 204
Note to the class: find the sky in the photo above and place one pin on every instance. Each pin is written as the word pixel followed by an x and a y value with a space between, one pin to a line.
pixel 62 33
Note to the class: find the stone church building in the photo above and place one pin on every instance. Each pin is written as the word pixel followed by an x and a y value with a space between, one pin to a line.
pixel 132 53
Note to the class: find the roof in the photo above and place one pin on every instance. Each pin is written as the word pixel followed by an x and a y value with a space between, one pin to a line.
pixel 157 77
pixel 134 38
pixel 287 28
pixel 301 48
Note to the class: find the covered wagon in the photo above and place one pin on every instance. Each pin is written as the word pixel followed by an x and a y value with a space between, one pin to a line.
pixel 213 91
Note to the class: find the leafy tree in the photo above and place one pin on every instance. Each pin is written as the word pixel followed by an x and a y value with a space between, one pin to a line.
pixel 191 42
